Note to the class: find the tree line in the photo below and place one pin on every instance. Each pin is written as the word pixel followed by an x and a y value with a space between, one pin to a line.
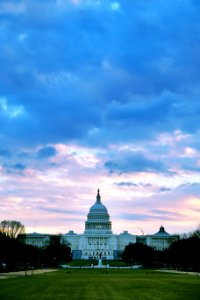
pixel 16 255
pixel 183 254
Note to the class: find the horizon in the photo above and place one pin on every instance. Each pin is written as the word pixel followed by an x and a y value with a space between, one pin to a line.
pixel 138 229
pixel 100 94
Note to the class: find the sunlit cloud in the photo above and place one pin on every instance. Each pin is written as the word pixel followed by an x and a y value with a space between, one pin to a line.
pixel 100 94
pixel 9 110
pixel 115 6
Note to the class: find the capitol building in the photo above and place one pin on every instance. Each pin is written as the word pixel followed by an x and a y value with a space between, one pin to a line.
pixel 98 239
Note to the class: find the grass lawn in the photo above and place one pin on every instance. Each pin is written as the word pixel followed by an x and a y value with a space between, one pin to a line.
pixel 111 263
pixel 101 284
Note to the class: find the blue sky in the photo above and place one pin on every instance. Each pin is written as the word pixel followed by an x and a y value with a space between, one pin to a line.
pixel 100 94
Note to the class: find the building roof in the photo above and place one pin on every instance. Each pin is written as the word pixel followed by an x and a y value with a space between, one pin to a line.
pixel 161 232
pixel 98 219
pixel 36 234
pixel 98 207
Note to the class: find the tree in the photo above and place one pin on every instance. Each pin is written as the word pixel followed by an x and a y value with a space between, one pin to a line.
pixel 184 254
pixel 12 228
pixel 196 233
pixel 15 255
pixel 57 252
pixel 138 254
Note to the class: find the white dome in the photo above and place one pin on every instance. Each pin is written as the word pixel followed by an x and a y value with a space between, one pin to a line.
pixel 98 217
pixel 98 208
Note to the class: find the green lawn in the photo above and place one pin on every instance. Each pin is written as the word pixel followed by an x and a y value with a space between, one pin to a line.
pixel 111 263
pixel 102 284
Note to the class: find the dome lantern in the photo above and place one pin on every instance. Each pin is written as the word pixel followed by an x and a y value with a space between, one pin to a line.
pixel 98 197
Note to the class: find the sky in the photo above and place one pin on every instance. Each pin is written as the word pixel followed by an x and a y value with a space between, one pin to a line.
pixel 100 94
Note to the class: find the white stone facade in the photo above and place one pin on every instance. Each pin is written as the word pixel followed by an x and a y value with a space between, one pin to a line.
pixel 37 239
pixel 98 241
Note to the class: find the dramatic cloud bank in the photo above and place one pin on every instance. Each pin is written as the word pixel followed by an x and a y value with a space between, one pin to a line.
pixel 100 94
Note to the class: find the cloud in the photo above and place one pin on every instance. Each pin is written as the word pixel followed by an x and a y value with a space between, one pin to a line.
pixel 100 93
pixel 147 217
pixel 163 213
pixel 17 168
pixel 115 6
pixel 132 216
pixel 132 184
pixel 127 161
pixel 11 7
pixel 164 189
pixel 59 211
pixel 5 153
pixel 129 184
pixel 116 88
pixel 191 168
pixel 46 152
pixel 189 189
pixel 11 111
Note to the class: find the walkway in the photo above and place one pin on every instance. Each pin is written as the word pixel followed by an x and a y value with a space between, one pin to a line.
pixel 25 273
pixel 179 272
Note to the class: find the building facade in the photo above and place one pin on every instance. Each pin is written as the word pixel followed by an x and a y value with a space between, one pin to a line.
pixel 98 240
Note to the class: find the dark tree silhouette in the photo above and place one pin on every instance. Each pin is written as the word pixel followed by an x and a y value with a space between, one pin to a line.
pixel 184 254
pixel 138 254
pixel 196 233
pixel 12 228
pixel 15 255
pixel 57 252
